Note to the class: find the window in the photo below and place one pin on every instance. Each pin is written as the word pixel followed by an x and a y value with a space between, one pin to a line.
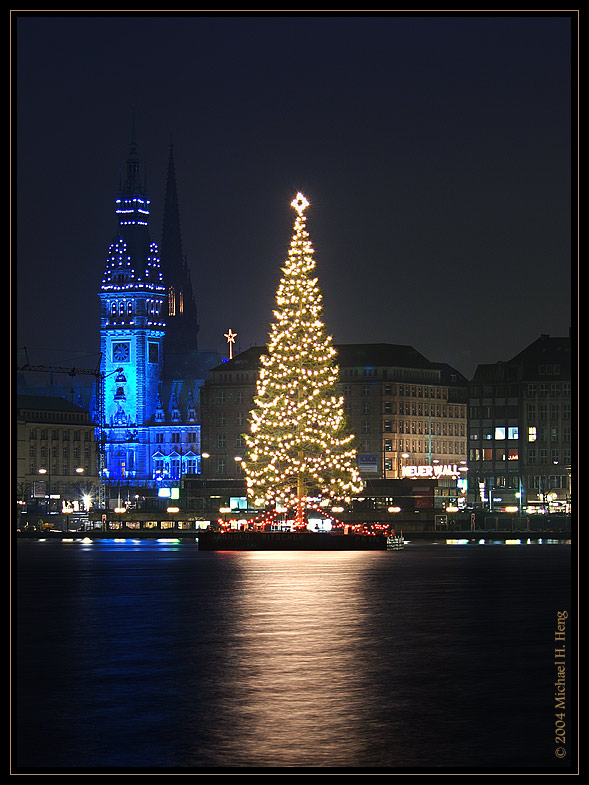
pixel 153 354
pixel 499 433
pixel 513 432
pixel 175 468
pixel 159 466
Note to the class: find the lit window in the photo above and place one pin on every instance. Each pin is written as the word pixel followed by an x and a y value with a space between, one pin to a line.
pixel 532 433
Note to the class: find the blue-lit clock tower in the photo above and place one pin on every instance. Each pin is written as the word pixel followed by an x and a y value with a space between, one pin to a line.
pixel 152 367
pixel 132 329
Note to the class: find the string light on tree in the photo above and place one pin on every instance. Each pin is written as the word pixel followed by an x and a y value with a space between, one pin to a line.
pixel 298 445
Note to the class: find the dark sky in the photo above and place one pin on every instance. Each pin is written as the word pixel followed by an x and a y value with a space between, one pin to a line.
pixel 435 152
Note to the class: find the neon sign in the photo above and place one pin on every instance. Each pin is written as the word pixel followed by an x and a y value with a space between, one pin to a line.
pixel 436 470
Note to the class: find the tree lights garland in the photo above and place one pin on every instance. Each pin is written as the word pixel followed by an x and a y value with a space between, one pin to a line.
pixel 298 446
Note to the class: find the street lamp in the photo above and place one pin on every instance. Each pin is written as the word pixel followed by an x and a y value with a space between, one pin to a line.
pixel 48 486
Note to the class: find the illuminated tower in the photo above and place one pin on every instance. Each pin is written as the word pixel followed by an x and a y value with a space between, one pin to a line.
pixel 181 314
pixel 132 327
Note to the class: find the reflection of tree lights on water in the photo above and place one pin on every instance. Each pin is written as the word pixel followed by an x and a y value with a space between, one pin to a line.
pixel 297 634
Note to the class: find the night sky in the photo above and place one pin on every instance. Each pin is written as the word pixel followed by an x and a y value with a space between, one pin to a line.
pixel 438 154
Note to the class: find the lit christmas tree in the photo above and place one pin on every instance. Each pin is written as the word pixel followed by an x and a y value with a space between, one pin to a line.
pixel 298 446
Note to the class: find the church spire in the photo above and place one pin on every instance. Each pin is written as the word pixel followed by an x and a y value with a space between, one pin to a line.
pixel 132 183
pixel 171 231
pixel 182 330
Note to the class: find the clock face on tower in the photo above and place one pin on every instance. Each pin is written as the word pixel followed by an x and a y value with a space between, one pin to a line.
pixel 120 352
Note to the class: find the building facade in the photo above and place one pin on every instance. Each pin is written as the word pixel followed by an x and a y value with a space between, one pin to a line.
pixel 56 453
pixel 520 430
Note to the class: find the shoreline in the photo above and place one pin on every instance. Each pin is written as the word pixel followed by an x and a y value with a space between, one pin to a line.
pixel 250 540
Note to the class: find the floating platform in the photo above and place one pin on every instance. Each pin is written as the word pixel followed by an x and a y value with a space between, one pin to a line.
pixel 282 541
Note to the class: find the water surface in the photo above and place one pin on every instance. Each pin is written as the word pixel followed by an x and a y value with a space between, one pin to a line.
pixel 147 655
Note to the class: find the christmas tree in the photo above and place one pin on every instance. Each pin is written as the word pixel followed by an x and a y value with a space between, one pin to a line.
pixel 298 445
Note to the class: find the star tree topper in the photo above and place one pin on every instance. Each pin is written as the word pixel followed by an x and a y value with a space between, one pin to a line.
pixel 300 203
